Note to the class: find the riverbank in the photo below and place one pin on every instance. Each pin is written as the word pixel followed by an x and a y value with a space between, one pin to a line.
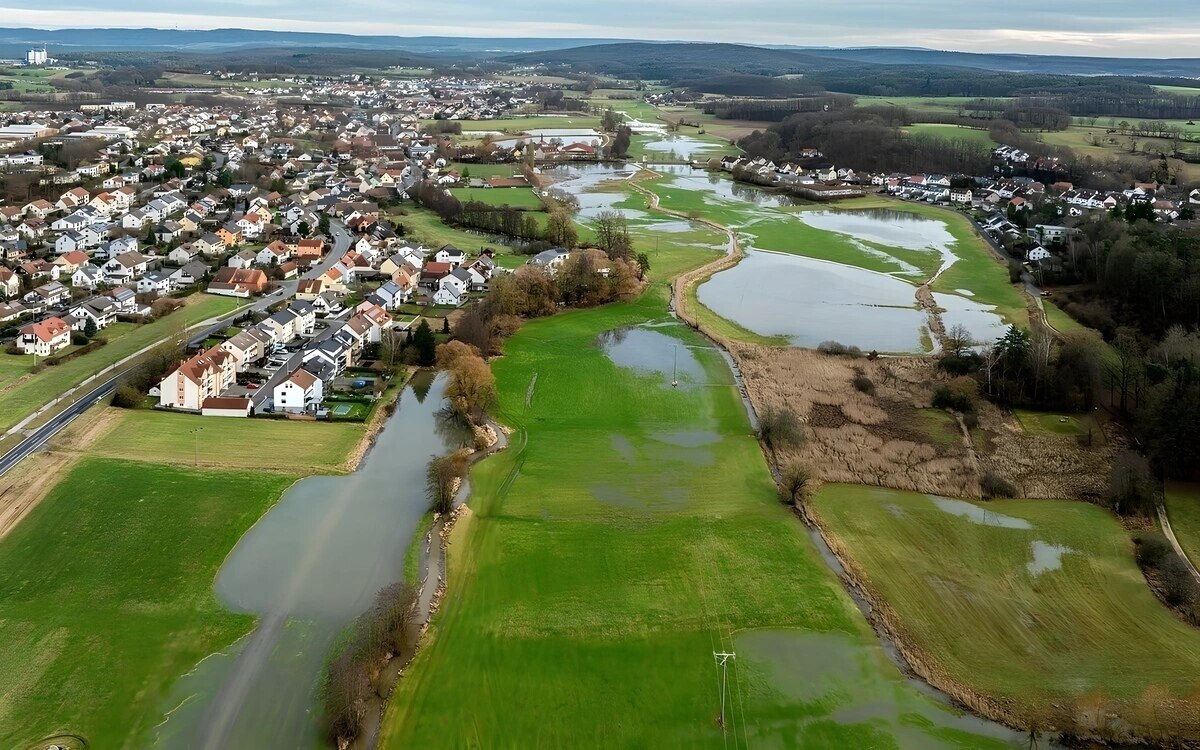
pixel 621 541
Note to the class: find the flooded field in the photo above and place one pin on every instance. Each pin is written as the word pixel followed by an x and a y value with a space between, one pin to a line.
pixel 307 569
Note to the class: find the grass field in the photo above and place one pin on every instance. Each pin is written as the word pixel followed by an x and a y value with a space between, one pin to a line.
pixel 621 540
pixel 977 591
pixel 107 595
pixel 952 132
pixel 521 198
pixel 22 393
pixel 1183 510
pixel 485 171
pixel 520 124
pixel 918 105
pixel 1046 424
pixel 147 435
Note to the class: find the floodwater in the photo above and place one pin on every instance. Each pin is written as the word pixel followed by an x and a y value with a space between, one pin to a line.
pixel 788 685
pixel 811 301
pixel 308 568
pixel 681 147
pixel 1046 557
pixel 648 352
pixel 979 515
pixel 887 228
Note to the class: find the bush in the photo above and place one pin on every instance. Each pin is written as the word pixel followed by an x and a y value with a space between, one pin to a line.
pixel 1151 549
pixel 959 394
pixel 971 420
pixel 797 483
pixel 960 364
pixel 126 397
pixel 993 486
pixel 864 384
pixel 839 349
pixel 78 339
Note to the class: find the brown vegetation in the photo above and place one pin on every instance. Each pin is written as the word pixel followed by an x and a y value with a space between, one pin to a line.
pixel 890 434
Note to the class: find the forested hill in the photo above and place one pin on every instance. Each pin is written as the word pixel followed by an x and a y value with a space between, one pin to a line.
pixel 673 61
pixel 1061 64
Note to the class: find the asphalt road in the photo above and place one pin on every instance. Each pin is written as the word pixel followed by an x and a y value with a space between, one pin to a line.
pixel 41 435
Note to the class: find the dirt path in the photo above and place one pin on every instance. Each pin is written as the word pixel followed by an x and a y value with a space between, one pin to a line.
pixel 22 488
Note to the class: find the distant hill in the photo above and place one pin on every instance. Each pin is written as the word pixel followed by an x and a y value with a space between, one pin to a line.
pixel 676 60
pixel 1060 64
pixel 16 41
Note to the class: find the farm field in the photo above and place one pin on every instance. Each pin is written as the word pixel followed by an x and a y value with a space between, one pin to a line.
pixel 1183 510
pixel 1059 614
pixel 148 435
pixel 952 132
pixel 107 596
pixel 607 555
pixel 918 105
pixel 725 129
pixel 34 80
pixel 22 393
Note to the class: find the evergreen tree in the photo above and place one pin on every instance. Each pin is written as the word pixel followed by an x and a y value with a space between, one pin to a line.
pixel 426 344
pixel 89 328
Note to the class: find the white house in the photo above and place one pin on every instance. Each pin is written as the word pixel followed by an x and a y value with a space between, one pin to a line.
pixel 1037 254
pixel 203 376
pixel 45 337
pixel 300 392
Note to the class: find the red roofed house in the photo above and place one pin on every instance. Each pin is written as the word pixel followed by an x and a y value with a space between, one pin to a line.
pixel 44 338
pixel 202 377
pixel 433 273
pixel 238 282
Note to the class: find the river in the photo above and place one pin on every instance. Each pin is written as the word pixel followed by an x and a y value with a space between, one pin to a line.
pixel 307 569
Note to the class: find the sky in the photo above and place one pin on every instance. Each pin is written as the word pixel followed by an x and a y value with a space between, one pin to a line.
pixel 1110 28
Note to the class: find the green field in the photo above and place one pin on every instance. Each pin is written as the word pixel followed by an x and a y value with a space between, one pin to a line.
pixel 1045 424
pixel 520 124
pixel 919 105
pixel 485 171
pixel 107 595
pixel 1183 510
pixel 165 437
pixel 630 530
pixel 970 597
pixel 521 198
pixel 21 397
pixel 952 132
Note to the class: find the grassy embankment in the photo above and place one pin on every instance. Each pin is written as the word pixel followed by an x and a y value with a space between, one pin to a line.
pixel 629 532
pixel 967 594
pixel 1183 511
pixel 107 597
pixel 22 393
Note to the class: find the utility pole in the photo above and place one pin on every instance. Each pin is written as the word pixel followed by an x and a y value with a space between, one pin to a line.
pixel 722 660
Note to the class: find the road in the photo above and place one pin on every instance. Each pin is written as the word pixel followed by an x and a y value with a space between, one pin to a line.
pixel 38 437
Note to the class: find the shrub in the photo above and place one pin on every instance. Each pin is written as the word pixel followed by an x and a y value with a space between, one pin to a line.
pixel 839 349
pixel 779 428
pixel 971 420
pixel 959 394
pixel 78 339
pixel 864 384
pixel 960 364
pixel 126 397
pixel 797 483
pixel 1151 549
pixel 993 486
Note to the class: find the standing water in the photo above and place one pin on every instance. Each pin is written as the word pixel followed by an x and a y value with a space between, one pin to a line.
pixel 308 568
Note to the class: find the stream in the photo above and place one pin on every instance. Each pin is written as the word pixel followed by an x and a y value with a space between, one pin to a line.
pixel 307 569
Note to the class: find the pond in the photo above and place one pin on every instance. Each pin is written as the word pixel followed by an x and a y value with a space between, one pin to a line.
pixel 307 569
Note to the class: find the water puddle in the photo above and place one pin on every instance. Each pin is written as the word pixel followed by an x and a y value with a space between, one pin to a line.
pixel 1046 557
pixel 796 688
pixel 647 351
pixel 308 568
pixel 978 514
pixel 688 438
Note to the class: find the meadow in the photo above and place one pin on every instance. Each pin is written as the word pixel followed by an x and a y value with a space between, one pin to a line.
pixel 22 393
pixel 524 199
pixel 107 595
pixel 1183 510
pixel 148 435
pixel 1037 604
pixel 627 533
pixel 952 132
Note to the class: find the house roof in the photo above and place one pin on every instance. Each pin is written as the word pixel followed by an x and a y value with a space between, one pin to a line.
pixel 303 378
pixel 47 330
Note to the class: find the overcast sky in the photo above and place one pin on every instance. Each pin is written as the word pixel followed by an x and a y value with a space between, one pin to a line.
pixel 1159 28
